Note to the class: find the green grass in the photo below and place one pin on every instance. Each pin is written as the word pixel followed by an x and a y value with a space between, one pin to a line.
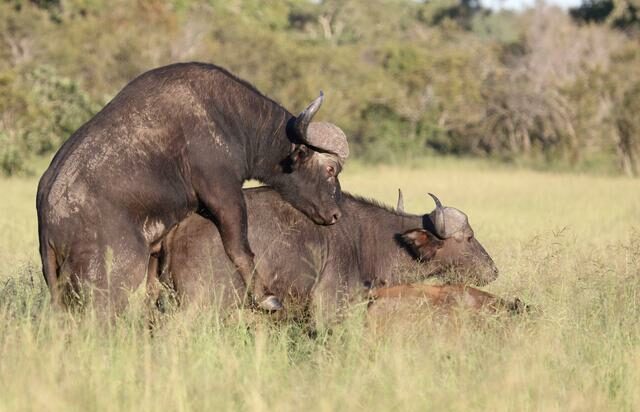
pixel 567 243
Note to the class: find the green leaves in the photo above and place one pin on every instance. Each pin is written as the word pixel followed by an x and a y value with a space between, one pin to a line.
pixel 402 78
pixel 40 110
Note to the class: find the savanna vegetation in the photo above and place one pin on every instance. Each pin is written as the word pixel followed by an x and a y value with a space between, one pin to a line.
pixel 403 78
pixel 440 96
pixel 566 243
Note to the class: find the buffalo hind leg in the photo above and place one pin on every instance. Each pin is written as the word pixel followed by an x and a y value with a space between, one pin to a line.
pixel 154 289
pixel 225 202
pixel 105 274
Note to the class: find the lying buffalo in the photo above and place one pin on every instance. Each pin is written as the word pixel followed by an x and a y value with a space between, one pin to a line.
pixel 176 139
pixel 401 306
pixel 445 297
pixel 321 267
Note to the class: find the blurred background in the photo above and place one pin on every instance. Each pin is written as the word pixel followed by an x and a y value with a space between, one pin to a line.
pixel 548 86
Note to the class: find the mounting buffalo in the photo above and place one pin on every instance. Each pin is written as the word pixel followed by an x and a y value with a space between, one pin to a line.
pixel 319 268
pixel 176 140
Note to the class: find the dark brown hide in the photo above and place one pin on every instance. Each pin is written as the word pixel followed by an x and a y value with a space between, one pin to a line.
pixel 316 266
pixel 175 140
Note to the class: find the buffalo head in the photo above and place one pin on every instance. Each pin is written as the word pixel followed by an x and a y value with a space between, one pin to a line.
pixel 310 179
pixel 447 241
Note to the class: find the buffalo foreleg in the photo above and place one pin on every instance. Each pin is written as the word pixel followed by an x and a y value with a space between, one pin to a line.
pixel 226 204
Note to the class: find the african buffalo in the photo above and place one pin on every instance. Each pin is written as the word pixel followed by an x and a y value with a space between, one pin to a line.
pixel 320 266
pixel 401 306
pixel 445 297
pixel 176 139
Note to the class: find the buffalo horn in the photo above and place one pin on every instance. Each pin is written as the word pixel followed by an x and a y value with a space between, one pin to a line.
pixel 321 135
pixel 439 217
pixel 302 121
pixel 400 206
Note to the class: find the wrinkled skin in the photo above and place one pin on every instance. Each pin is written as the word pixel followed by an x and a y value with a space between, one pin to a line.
pixel 175 140
pixel 319 268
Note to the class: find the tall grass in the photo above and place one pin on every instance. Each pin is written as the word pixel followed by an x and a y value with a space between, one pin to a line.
pixel 568 244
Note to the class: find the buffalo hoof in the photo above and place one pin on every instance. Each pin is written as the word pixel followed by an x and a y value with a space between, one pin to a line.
pixel 270 303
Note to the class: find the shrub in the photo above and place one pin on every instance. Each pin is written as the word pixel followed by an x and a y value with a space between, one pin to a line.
pixel 39 110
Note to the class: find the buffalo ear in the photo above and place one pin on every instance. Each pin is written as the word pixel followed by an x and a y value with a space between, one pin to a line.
pixel 422 243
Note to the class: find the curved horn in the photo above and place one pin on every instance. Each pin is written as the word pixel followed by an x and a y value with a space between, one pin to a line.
pixel 439 217
pixel 321 135
pixel 302 121
pixel 400 206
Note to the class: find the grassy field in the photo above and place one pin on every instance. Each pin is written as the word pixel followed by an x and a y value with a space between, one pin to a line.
pixel 569 244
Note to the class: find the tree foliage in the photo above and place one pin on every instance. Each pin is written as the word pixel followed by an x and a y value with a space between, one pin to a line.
pixel 403 78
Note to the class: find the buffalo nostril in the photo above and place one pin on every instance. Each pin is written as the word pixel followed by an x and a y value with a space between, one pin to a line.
pixel 336 215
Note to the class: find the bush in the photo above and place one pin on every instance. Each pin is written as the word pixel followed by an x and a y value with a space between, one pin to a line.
pixel 445 76
pixel 40 109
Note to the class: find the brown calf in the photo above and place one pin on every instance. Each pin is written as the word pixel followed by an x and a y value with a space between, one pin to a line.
pixel 402 306
pixel 447 296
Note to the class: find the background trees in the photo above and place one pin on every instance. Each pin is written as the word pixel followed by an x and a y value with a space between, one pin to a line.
pixel 403 78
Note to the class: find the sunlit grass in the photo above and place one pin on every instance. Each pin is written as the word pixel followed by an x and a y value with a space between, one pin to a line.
pixel 568 244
